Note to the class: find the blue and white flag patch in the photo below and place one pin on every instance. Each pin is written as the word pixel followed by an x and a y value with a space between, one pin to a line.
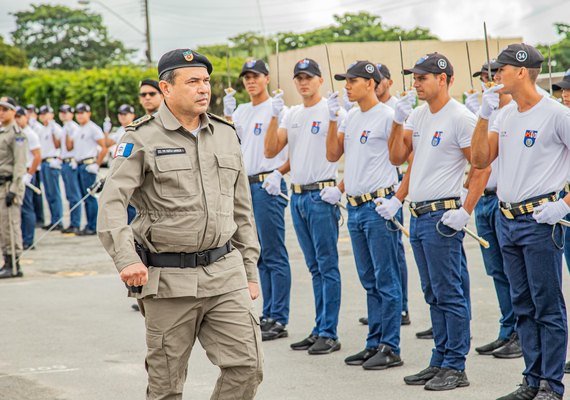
pixel 124 150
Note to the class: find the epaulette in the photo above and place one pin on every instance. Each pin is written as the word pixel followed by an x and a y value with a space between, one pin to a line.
pixel 138 122
pixel 220 119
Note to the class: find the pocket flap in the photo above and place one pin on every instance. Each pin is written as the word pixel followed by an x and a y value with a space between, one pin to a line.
pixel 229 161
pixel 174 236
pixel 173 163
pixel 154 340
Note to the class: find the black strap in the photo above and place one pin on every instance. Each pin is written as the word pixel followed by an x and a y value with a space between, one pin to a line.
pixel 184 260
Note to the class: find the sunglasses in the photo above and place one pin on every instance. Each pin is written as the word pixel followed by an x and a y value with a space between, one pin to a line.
pixel 151 94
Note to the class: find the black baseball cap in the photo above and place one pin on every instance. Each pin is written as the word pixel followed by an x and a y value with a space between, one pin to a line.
pixel 20 111
pixel 45 109
pixel 307 66
pixel 66 108
pixel 8 102
pixel 255 66
pixel 32 108
pixel 432 63
pixel 520 55
pixel 361 69
pixel 150 82
pixel 564 83
pixel 82 107
pixel 182 58
pixel 126 109
pixel 485 68
pixel 384 71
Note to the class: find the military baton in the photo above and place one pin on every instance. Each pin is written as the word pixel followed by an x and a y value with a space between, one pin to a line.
pixel 402 65
pixel 229 89
pixel 564 222
pixel 35 189
pixel 469 65
pixel 330 69
pixel 478 238
pixel 284 196
pixel 277 62
pixel 401 227
pixel 490 82
pixel 549 71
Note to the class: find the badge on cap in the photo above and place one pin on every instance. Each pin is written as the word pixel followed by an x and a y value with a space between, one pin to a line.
pixel 304 63
pixel 421 60
pixel 188 55
pixel 441 63
pixel 529 137
pixel 316 127
pixel 364 136
pixel 369 68
pixel 250 63
pixel 436 138
pixel 521 56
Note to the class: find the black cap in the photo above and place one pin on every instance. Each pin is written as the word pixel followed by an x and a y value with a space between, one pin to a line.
pixel 361 69
pixel 45 109
pixel 150 82
pixel 182 58
pixel 82 107
pixel 307 66
pixel 256 66
pixel 432 63
pixel 32 108
pixel 384 71
pixel 485 68
pixel 520 55
pixel 66 108
pixel 20 111
pixel 126 109
pixel 8 102
pixel 564 83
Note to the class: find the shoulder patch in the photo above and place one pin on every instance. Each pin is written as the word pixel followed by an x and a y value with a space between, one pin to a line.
pixel 217 118
pixel 138 122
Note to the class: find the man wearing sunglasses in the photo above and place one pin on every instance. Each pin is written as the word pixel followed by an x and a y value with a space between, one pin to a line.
pixel 150 96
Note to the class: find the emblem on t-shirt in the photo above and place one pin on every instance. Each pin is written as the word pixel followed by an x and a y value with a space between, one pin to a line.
pixel 529 137
pixel 364 136
pixel 316 127
pixel 257 129
pixel 436 138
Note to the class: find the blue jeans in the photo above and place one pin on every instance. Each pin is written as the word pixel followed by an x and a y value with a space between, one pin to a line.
pixel 71 184
pixel 38 200
pixel 273 263
pixel 316 225
pixel 131 214
pixel 443 275
pixel 486 219
pixel 532 254
pixel 402 264
pixel 85 181
pixel 375 248
pixel 566 238
pixel 28 216
pixel 50 179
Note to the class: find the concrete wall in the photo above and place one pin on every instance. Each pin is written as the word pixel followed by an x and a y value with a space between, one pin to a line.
pixel 387 53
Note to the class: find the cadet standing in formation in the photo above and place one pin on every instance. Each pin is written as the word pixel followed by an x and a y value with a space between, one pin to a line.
pixel 150 96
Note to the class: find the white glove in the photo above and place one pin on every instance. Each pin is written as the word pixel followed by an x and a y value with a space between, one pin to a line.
pixel 489 101
pixel 277 104
pixel 331 194
pixel 472 102
pixel 333 105
pixel 55 163
pixel 107 126
pixel 272 183
pixel 347 103
pixel 230 103
pixel 92 168
pixel 387 208
pixel 456 219
pixel 552 212
pixel 404 107
pixel 463 195
pixel 27 178
pixel 73 164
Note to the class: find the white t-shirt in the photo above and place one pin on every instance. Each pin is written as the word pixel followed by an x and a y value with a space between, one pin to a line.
pixel 534 156
pixel 117 135
pixel 367 165
pixel 307 136
pixel 438 140
pixel 46 139
pixel 69 128
pixel 33 144
pixel 251 124
pixel 85 140
pixel 392 102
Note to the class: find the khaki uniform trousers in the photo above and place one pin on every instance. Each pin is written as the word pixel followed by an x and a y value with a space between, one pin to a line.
pixel 10 214
pixel 227 328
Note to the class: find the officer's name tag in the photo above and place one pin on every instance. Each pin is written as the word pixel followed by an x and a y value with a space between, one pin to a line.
pixel 170 151
pixel 124 149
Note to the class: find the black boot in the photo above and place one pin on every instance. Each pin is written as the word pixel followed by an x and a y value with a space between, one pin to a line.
pixel 6 272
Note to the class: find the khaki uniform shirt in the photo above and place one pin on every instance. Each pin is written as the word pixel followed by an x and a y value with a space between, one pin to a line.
pixel 191 194
pixel 13 156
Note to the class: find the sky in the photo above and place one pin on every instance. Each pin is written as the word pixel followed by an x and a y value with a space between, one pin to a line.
pixel 189 23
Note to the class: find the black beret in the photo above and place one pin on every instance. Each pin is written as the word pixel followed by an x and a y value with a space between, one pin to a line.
pixel 82 107
pixel 126 109
pixel 20 111
pixel 150 82
pixel 45 109
pixel 66 108
pixel 182 58
pixel 8 102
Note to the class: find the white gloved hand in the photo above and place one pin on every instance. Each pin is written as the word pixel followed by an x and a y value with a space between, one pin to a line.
pixel 333 105
pixel 107 126
pixel 73 164
pixel 387 208
pixel 230 103
pixel 272 184
pixel 404 107
pixel 456 219
pixel 463 195
pixel 92 168
pixel 347 103
pixel 552 212
pixel 489 101
pixel 27 179
pixel 472 102
pixel 55 163
pixel 331 194
pixel 277 103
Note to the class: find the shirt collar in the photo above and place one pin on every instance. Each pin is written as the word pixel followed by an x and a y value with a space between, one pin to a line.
pixel 171 123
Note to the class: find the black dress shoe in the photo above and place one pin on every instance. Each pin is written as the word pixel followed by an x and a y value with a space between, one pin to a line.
pixel 86 232
pixel 70 230
pixel 305 343
pixel 324 345
pixel 363 320
pixel 427 334
pixel 52 227
pixel 512 349
pixel 385 358
pixel 266 324
pixel 28 247
pixel 545 392
pixel 447 379
pixel 524 392
pixel 489 348
pixel 422 377
pixel 276 331
pixel 406 318
pixel 567 368
pixel 136 307
pixel 361 357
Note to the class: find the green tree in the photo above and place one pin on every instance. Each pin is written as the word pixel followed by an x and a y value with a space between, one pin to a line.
pixel 559 52
pixel 11 55
pixel 58 37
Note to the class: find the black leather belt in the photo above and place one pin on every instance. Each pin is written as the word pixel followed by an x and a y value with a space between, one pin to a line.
pixel 489 192
pixel 67 160
pixel 258 178
pixel 424 207
pixel 87 161
pixel 366 197
pixel 312 186
pixel 512 210
pixel 48 159
pixel 5 178
pixel 183 260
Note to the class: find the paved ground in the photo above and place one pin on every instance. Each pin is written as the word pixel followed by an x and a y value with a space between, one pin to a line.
pixel 67 332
